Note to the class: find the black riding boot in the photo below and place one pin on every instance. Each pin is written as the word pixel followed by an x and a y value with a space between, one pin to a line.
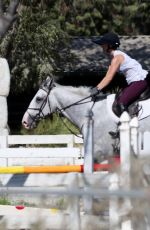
pixel 120 108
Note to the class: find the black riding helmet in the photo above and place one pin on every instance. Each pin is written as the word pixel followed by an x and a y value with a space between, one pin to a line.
pixel 111 39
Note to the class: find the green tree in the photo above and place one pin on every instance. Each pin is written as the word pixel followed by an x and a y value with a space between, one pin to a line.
pixel 94 17
pixel 7 15
pixel 36 47
pixel 38 44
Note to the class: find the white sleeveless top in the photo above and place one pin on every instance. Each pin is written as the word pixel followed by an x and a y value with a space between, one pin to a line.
pixel 132 69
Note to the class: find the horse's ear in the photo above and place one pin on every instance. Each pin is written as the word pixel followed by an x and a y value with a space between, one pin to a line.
pixel 49 82
pixel 48 79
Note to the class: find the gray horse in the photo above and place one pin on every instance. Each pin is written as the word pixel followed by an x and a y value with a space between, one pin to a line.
pixel 74 103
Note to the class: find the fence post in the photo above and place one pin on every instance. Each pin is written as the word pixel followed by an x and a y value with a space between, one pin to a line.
pixel 125 148
pixel 113 203
pixel 74 207
pixel 4 139
pixel 134 135
pixel 88 157
pixel 88 143
pixel 71 142
pixel 125 158
pixel 4 91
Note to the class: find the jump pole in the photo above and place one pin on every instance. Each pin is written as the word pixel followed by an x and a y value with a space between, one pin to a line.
pixel 54 168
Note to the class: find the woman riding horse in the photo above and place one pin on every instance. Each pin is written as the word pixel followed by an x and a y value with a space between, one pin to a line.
pixel 134 73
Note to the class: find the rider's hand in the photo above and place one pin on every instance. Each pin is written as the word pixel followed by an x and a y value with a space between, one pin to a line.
pixel 95 91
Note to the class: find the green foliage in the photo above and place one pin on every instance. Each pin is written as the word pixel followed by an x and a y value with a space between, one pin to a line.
pixel 38 45
pixel 37 48
pixel 93 17
pixel 4 201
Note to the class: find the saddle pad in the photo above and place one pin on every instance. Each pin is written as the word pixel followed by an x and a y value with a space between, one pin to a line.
pixel 144 111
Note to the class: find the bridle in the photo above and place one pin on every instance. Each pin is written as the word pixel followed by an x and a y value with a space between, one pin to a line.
pixel 40 115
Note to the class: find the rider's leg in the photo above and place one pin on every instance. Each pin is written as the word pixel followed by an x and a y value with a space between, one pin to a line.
pixel 126 97
pixel 132 92
pixel 121 108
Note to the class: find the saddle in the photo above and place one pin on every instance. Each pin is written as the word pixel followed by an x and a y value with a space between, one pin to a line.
pixel 134 108
pixel 142 103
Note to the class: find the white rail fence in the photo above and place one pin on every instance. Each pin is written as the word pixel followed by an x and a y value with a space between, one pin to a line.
pixel 132 144
pixel 131 139
pixel 22 150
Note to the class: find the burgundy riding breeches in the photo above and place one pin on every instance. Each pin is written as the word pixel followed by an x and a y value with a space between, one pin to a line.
pixel 131 92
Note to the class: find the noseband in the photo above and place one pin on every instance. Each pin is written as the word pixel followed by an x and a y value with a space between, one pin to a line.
pixel 40 115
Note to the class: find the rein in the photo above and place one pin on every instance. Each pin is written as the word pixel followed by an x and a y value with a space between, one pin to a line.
pixel 60 112
pixel 76 103
pixel 41 115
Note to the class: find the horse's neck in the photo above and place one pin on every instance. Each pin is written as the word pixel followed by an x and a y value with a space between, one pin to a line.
pixel 76 113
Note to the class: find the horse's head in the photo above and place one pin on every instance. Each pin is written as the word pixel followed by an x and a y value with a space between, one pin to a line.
pixel 40 106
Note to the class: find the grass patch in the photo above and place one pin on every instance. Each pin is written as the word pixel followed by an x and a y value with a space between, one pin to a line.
pixel 52 127
pixel 4 201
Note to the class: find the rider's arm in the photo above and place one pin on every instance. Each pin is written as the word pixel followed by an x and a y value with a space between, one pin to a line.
pixel 115 63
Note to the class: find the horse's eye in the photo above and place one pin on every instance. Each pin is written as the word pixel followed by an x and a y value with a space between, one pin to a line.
pixel 38 99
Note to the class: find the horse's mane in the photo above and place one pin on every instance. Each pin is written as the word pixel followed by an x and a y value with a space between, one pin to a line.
pixel 80 90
